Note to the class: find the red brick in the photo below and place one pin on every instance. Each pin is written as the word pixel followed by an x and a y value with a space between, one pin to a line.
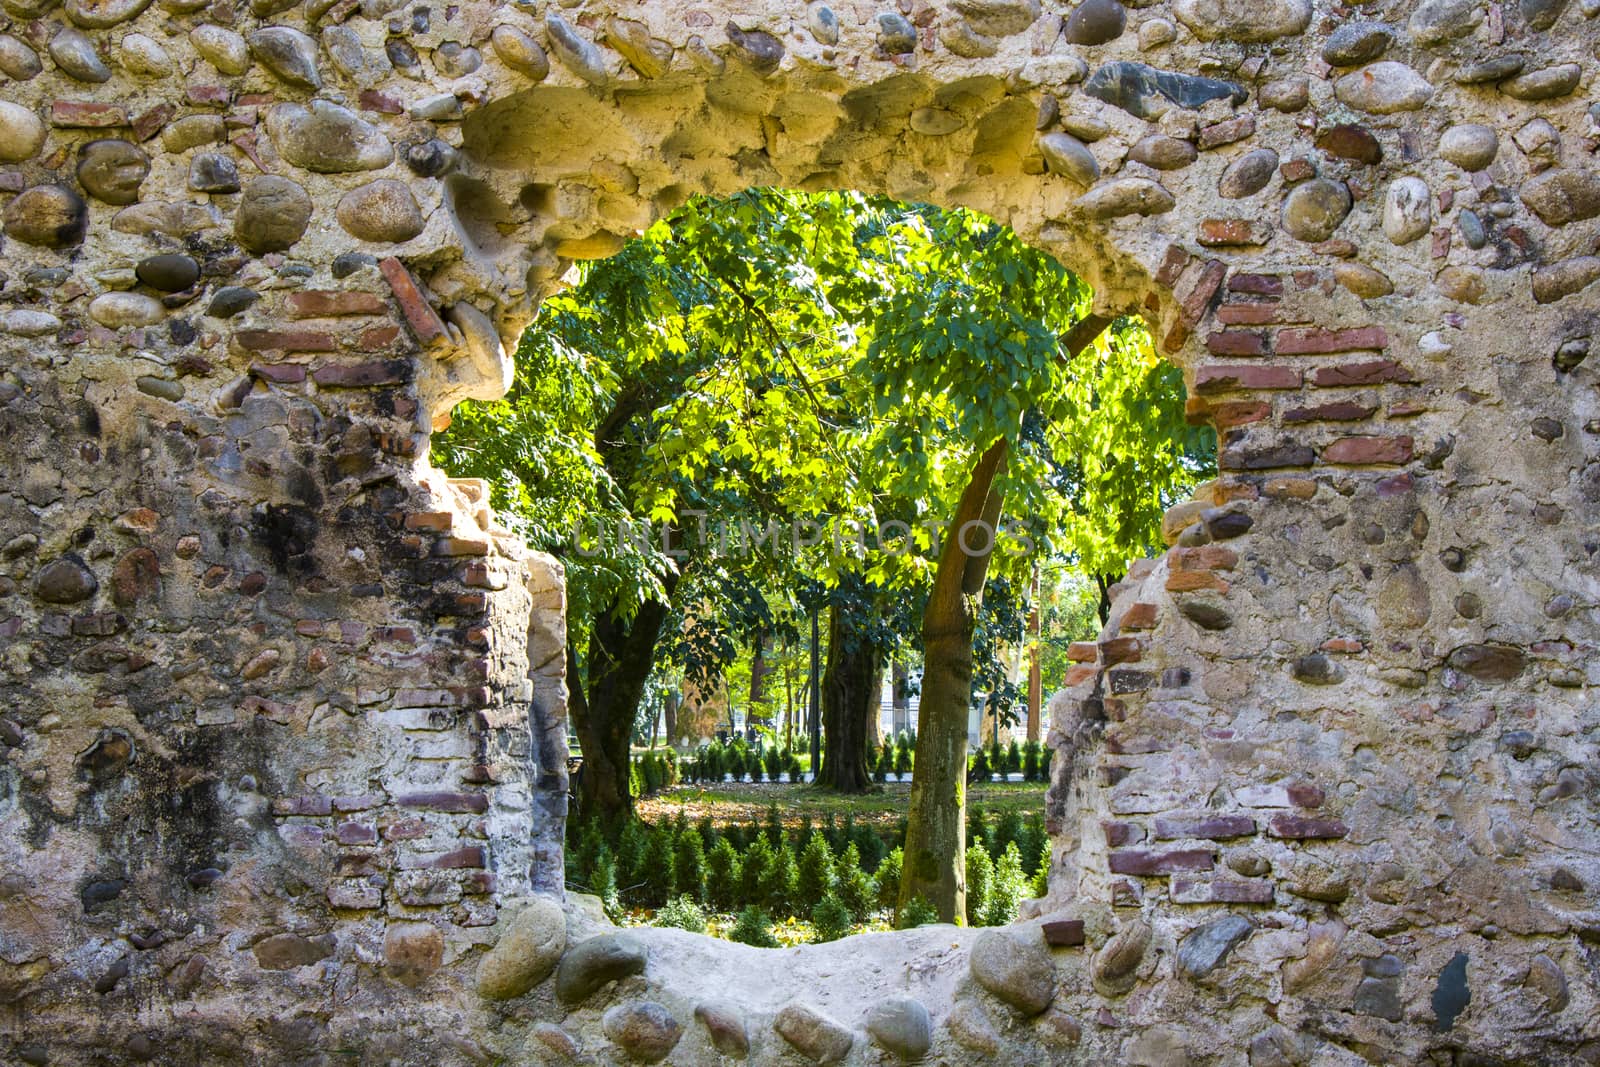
pixel 328 303
pixel 1301 828
pixel 473 857
pixel 1267 457
pixel 1148 864
pixel 382 103
pixel 149 123
pixel 377 338
pixel 1139 617
pixel 1172 265
pixel 1256 284
pixel 279 373
pixel 1240 891
pixel 1194 582
pixel 286 341
pixel 1236 343
pixel 1121 833
pixel 87 114
pixel 424 321
pixel 1336 411
pixel 1368 450
pixel 1223 378
pixel 356 833
pixel 1317 341
pixel 1209 827
pixel 361 375
pixel 1204 558
pixel 1227 132
pixel 1083 651
pixel 461 546
pixel 1063 933
pixel 1297 170
pixel 1078 675
pixel 459 803
pixel 1233 233
pixel 1373 372
pixel 1227 414
pixel 311 804
pixel 1342 644
pixel 1247 314
pixel 1121 650
pixel 1192 305
pixel 432 521
pixel 209 95
pixel 1306 795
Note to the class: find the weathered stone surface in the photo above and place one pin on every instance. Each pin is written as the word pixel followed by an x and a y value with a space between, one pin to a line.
pixel 1096 22
pixel 725 1025
pixel 288 53
pixel 144 57
pixel 75 53
pixel 1067 156
pixel 1349 141
pixel 1563 278
pixel 117 310
pixel 64 581
pixel 902 1025
pixel 896 35
pixel 812 1034
pixel 1489 662
pixel 530 945
pixel 1242 20
pixel 18 61
pixel 573 52
pixel 1471 147
pixel 1407 210
pixel 1146 92
pixel 412 951
pixel 222 48
pixel 1436 22
pixel 1126 196
pixel 1248 175
pixel 1203 950
pixel 1313 210
pixel 1355 43
pixel 21 133
pixel 112 170
pixel 645 1029
pixel 327 138
pixel 1546 84
pixel 213 172
pixel 51 216
pixel 453 59
pixel 273 214
pixel 381 211
pixel 1563 196
pixel 1548 982
pixel 102 14
pixel 998 18
pixel 282 952
pixel 1016 968
pixel 1162 152
pixel 593 963
pixel 1383 88
pixel 1116 965
pixel 971 1028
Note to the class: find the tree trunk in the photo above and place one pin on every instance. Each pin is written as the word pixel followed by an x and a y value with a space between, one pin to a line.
pixel 788 697
pixel 875 707
pixel 935 850
pixel 847 706
pixel 670 712
pixel 900 697
pixel 620 657
pixel 756 705
pixel 1035 679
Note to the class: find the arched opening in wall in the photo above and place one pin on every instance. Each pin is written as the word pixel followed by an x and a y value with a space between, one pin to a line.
pixel 841 485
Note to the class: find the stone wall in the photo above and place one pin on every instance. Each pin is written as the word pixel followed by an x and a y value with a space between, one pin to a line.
pixel 284 712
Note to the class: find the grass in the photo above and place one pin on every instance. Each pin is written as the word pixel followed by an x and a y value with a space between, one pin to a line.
pixel 789 931
pixel 745 802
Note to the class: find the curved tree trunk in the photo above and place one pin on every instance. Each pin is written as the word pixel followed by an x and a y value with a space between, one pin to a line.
pixel 936 837
pixel 620 656
pixel 848 706
pixel 935 850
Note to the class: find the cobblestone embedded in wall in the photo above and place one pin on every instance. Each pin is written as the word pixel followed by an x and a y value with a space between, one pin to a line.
pixel 283 711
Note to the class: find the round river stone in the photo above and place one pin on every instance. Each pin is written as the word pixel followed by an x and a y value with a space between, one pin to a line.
pixel 51 216
pixel 273 214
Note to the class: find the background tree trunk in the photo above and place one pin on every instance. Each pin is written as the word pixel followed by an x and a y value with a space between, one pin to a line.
pixel 620 657
pixel 936 836
pixel 1035 679
pixel 848 704
pixel 900 696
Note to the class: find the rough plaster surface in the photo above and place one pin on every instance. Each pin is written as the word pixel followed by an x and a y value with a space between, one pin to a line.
pixel 284 712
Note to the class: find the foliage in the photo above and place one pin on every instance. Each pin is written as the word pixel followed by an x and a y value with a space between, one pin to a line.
pixel 918 913
pixel 754 928
pixel 980 876
pixel 1007 890
pixel 854 886
pixel 815 877
pixel 684 913
pixel 723 877
pixel 831 918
